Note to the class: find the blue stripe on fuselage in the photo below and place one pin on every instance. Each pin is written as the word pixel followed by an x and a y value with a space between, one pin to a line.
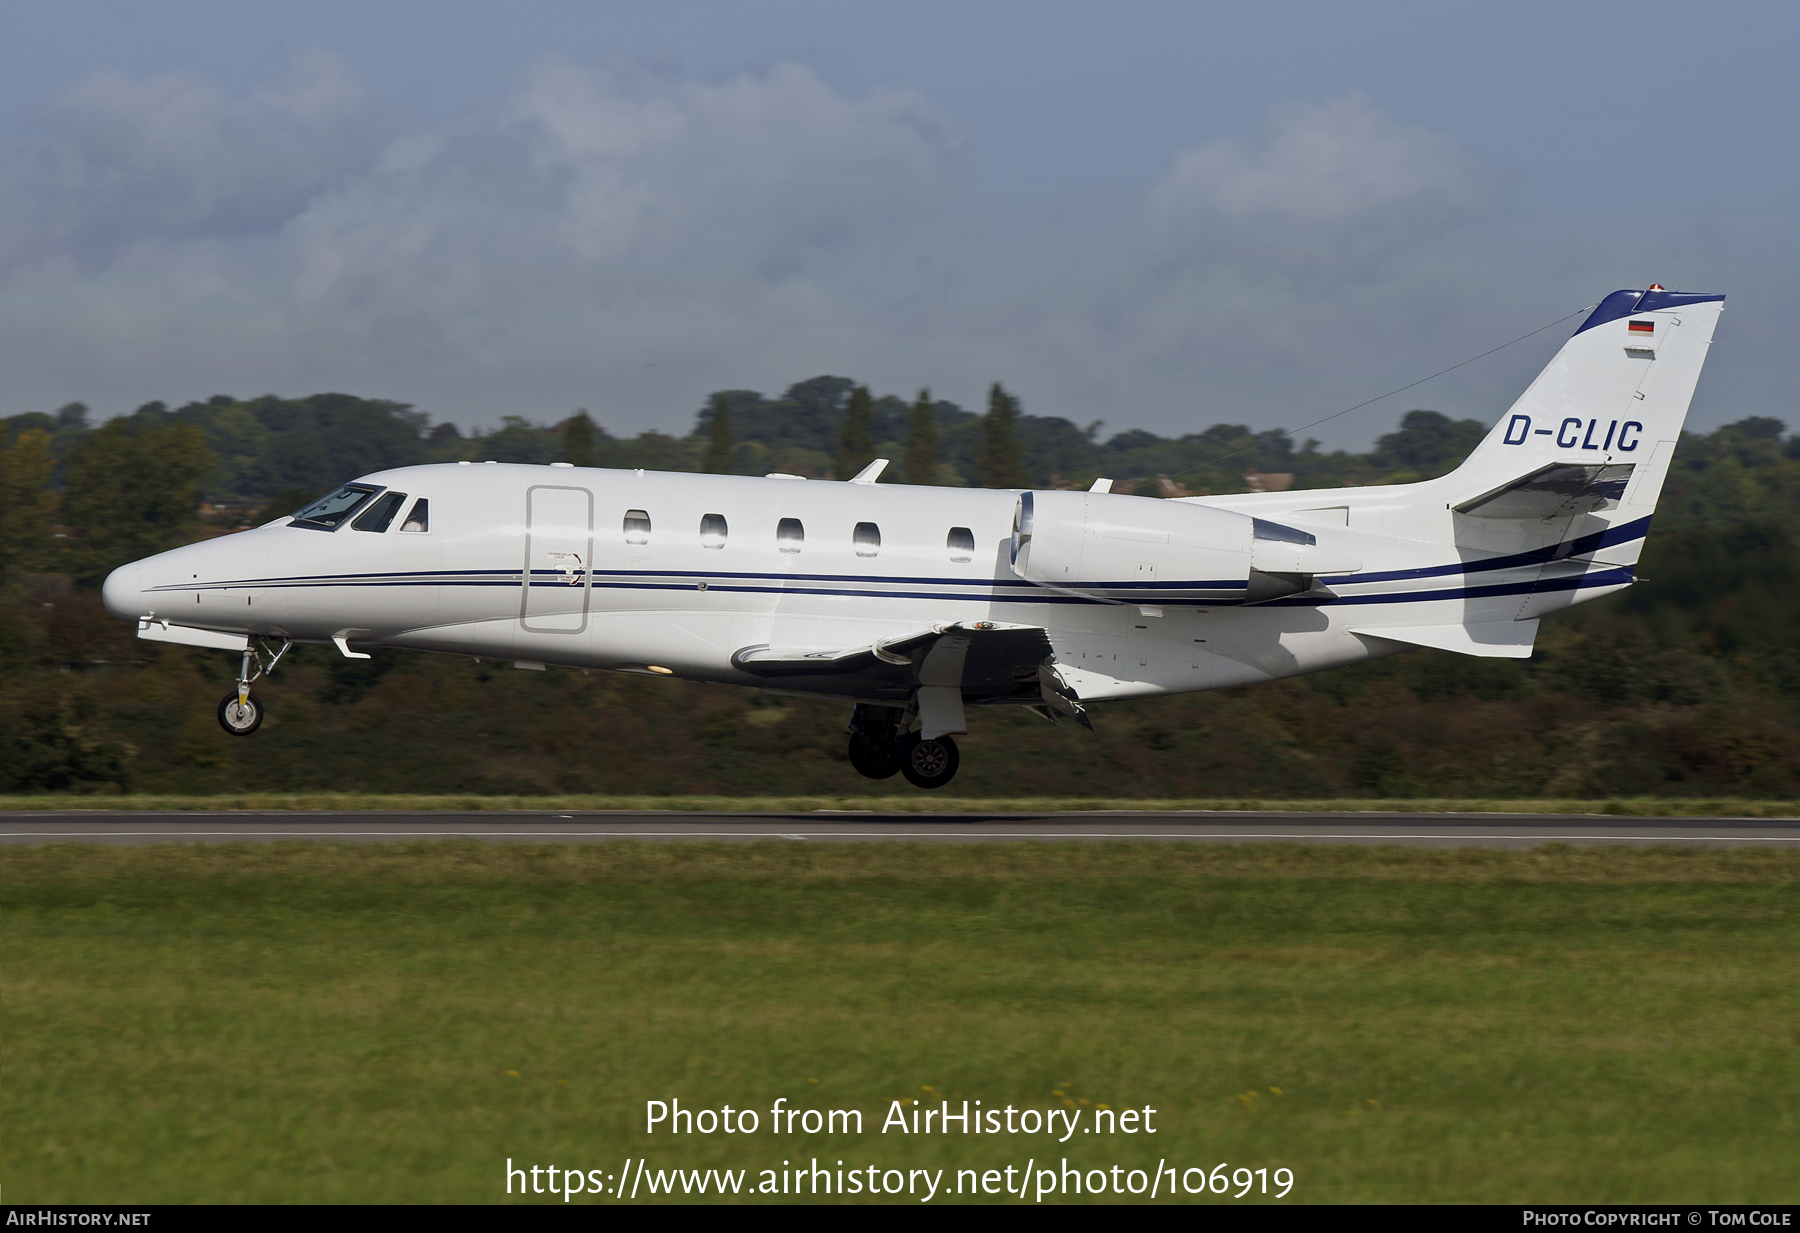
pixel 1618 576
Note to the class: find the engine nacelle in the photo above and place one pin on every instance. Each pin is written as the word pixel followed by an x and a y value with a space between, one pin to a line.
pixel 1144 551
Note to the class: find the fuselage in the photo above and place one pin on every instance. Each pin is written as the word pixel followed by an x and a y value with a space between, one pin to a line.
pixel 674 573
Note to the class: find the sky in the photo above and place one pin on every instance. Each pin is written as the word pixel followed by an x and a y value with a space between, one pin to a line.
pixel 1155 215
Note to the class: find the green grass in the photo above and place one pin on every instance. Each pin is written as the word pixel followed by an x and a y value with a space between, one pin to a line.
pixel 391 1022
pixel 920 802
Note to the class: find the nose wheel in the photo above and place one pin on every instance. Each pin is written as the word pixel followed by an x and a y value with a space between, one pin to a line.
pixel 241 712
pixel 240 717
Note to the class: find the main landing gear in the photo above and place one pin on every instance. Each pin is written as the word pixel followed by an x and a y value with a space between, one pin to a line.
pixel 880 747
pixel 928 764
pixel 241 712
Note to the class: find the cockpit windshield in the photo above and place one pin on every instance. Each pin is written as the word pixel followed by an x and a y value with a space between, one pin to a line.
pixel 329 513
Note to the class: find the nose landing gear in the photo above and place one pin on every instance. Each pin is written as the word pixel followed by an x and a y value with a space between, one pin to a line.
pixel 241 712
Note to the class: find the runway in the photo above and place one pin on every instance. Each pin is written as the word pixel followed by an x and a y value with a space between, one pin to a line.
pixel 1409 829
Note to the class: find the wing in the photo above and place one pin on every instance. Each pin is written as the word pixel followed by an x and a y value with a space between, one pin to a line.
pixel 993 664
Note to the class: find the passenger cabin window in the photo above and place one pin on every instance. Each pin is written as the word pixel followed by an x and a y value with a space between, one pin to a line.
pixel 329 513
pixel 713 530
pixel 380 514
pixel 637 527
pixel 418 520
pixel 867 539
pixel 789 535
pixel 961 543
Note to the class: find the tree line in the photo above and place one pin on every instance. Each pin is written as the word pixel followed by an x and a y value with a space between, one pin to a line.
pixel 1686 683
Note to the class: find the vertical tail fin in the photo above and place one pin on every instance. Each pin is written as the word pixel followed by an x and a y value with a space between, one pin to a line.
pixel 1594 433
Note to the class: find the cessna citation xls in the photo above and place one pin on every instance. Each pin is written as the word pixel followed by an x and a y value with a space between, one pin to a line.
pixel 912 604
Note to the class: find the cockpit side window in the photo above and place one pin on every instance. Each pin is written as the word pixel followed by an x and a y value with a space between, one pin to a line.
pixel 330 512
pixel 380 514
pixel 418 520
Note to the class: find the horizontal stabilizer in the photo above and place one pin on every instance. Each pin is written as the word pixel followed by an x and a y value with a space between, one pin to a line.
pixel 154 630
pixel 1556 491
pixel 1489 640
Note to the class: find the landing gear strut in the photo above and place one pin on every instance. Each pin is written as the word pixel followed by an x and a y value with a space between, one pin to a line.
pixel 241 712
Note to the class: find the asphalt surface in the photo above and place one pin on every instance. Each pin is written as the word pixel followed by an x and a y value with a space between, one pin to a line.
pixel 1411 829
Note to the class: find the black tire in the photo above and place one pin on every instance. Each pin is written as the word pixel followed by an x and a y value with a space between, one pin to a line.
pixel 874 759
pixel 928 764
pixel 236 722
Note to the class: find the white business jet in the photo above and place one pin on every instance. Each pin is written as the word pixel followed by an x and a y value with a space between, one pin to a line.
pixel 913 604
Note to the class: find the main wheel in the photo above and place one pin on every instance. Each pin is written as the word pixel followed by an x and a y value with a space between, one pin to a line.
pixel 928 764
pixel 240 720
pixel 872 758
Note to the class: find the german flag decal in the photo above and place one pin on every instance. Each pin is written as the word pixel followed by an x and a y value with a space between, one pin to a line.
pixel 1642 327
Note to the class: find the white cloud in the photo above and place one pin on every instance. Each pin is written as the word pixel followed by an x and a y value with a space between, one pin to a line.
pixel 122 161
pixel 633 184
pixel 548 250
pixel 1267 278
pixel 1325 185
pixel 627 240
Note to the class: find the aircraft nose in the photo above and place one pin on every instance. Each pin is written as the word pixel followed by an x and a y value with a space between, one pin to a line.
pixel 122 592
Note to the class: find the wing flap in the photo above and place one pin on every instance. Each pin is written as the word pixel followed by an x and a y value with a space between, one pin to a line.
pixel 988 661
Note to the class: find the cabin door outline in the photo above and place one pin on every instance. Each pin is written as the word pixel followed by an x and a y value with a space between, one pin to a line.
pixel 559 554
